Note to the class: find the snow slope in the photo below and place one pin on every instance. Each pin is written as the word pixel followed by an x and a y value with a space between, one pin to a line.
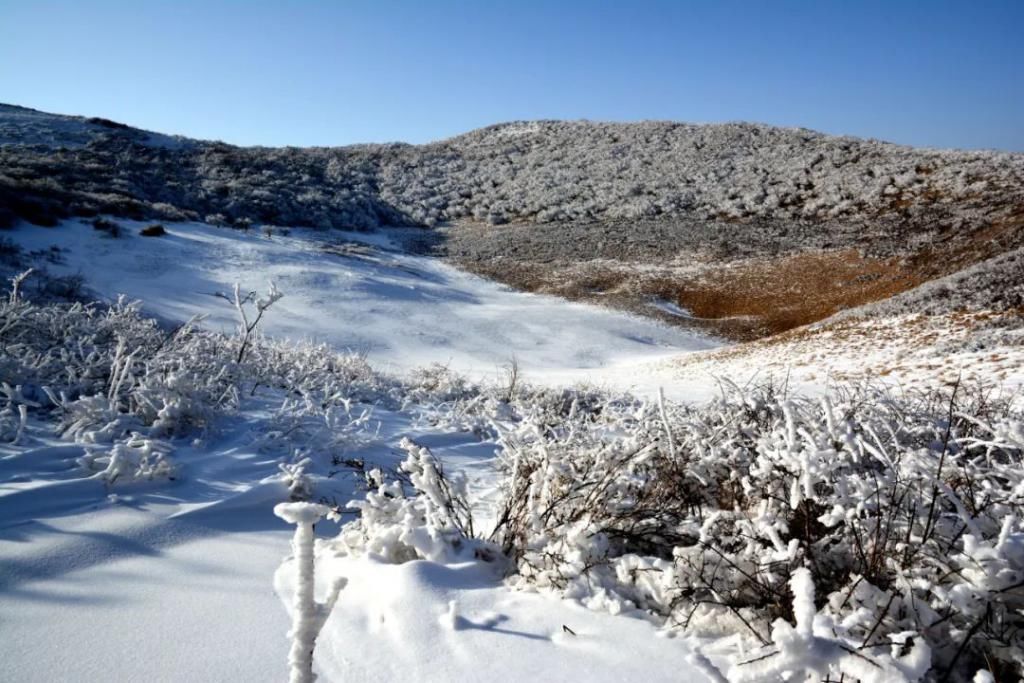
pixel 175 581
pixel 151 582
pixel 425 621
pixel 403 311
pixel 171 581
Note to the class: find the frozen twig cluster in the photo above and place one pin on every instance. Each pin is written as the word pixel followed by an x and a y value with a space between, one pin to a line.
pixel 113 380
pixel 249 320
pixel 418 512
pixel 894 518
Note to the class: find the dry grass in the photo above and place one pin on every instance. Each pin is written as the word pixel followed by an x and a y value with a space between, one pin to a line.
pixel 742 301
pixel 753 298
pixel 766 297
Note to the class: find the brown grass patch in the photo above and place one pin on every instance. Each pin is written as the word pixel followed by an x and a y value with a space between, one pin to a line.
pixel 742 301
pixel 766 297
pixel 756 298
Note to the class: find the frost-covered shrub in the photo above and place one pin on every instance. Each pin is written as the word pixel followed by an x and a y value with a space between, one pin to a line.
pixel 419 514
pixel 298 481
pixel 110 378
pixel 14 413
pixel 905 511
pixel 439 382
pixel 329 430
pixel 812 649
pixel 863 535
pixel 134 459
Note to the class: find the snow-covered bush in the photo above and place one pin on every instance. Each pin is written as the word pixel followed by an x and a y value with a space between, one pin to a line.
pixel 136 458
pixel 865 535
pixel 437 382
pixel 812 649
pixel 250 309
pixel 14 413
pixel 902 513
pixel 113 379
pixel 418 513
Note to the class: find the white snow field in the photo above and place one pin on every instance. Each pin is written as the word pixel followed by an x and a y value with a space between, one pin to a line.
pixel 357 292
pixel 175 580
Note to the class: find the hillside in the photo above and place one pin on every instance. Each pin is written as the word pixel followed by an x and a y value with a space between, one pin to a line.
pixel 492 525
pixel 539 172
pixel 508 485
pixel 573 208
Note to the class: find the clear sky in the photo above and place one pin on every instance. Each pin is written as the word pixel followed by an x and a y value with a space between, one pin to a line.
pixel 922 72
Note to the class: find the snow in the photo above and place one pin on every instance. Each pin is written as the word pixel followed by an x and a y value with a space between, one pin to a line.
pixel 174 581
pixel 300 513
pixel 134 612
pixel 671 308
pixel 122 578
pixel 424 621
pixel 403 311
pixel 189 562
pixel 170 560
pixel 903 351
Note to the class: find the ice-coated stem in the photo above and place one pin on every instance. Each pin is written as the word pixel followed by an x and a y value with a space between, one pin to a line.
pixel 308 616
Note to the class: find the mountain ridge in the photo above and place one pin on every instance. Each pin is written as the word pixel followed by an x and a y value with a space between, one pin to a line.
pixel 740 123
pixel 542 171
pixel 554 201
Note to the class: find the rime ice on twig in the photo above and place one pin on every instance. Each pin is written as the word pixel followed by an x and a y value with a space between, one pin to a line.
pixel 308 615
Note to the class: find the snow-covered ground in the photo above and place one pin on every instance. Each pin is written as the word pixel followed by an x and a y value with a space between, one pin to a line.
pixel 171 581
pixel 182 579
pixel 355 291
pixel 905 351
pixel 433 622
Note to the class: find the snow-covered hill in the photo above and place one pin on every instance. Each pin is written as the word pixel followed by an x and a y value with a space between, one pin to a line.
pixel 540 172
pixel 358 292
pixel 159 566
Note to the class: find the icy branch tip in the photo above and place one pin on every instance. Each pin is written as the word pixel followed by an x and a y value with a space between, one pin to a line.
pixel 300 513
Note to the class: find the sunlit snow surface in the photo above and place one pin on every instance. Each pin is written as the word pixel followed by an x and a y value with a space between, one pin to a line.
pixel 403 311
pixel 175 581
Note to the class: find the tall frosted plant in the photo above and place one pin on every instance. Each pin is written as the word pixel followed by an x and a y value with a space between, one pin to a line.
pixel 308 616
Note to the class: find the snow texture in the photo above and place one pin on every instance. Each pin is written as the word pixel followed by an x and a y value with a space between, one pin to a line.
pixel 862 533
pixel 403 312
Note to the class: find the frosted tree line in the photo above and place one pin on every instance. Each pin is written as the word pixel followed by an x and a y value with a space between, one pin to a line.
pixel 536 172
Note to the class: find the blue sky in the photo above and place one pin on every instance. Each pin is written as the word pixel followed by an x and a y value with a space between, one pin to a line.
pixel 943 74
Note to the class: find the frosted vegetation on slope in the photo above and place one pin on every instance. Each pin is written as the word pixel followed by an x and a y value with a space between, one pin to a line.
pixel 402 311
pixel 994 284
pixel 868 534
pixel 541 172
pixel 887 527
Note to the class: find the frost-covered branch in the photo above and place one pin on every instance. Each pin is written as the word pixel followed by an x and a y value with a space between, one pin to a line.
pixel 247 327
pixel 308 615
